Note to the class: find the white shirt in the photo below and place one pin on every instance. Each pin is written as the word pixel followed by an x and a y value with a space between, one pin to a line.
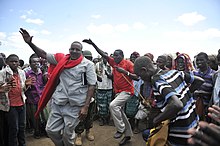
pixel 106 83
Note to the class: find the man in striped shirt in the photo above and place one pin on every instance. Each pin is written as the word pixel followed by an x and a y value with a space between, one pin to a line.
pixel 206 89
pixel 173 97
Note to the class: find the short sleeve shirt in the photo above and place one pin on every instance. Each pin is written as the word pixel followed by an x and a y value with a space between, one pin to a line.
pixel 167 84
pixel 120 83
pixel 208 85
pixel 73 82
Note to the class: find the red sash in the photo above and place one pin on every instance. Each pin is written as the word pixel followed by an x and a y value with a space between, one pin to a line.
pixel 63 63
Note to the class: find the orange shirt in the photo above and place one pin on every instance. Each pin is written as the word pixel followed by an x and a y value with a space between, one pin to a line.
pixel 15 93
pixel 120 83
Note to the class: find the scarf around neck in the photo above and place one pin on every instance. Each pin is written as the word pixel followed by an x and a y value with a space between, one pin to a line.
pixel 64 62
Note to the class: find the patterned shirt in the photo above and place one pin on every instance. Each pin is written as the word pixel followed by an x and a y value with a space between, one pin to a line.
pixel 34 91
pixel 208 85
pixel 167 84
pixel 4 99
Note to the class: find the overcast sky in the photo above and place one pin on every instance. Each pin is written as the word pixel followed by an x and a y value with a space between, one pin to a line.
pixel 155 26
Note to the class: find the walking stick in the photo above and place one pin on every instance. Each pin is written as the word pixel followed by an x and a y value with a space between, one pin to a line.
pixel 145 101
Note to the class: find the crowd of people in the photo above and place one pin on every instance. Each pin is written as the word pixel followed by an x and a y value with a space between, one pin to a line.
pixel 60 95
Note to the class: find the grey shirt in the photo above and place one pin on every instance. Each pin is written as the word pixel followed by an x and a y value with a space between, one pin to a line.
pixel 73 82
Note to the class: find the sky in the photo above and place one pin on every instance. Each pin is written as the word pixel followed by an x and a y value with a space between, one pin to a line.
pixel 146 26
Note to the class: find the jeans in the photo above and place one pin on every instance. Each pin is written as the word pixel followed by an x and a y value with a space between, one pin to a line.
pixel 16 123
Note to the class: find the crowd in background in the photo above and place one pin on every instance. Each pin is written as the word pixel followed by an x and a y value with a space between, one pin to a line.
pixel 21 88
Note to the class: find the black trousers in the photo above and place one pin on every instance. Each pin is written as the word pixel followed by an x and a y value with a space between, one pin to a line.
pixel 88 122
pixel 3 129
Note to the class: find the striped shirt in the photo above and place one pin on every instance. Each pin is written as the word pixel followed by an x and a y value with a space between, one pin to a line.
pixel 167 84
pixel 208 85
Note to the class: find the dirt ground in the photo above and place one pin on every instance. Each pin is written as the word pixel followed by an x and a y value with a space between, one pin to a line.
pixel 103 137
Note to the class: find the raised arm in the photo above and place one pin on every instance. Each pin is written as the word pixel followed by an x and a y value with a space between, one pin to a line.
pixel 102 53
pixel 28 39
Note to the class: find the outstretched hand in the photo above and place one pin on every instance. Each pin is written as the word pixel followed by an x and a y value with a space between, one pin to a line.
pixel 214 113
pixel 30 81
pixel 5 87
pixel 206 135
pixel 26 36
pixel 88 41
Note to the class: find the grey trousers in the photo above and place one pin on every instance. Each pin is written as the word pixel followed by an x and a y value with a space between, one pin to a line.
pixel 61 124
pixel 117 111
